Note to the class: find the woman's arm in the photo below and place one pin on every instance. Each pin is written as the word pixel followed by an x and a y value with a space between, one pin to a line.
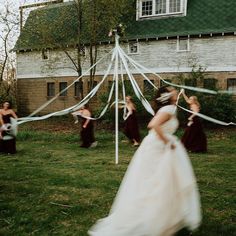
pixel 1 120
pixel 185 97
pixel 88 114
pixel 156 123
pixel 130 109
pixel 14 114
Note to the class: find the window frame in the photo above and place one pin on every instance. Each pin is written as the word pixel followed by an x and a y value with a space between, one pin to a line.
pixel 231 79
pixel 45 54
pixel 95 83
pixel 64 94
pixel 178 45
pixel 133 53
pixel 49 94
pixel 82 51
pixel 147 87
pixel 77 92
pixel 167 13
pixel 210 83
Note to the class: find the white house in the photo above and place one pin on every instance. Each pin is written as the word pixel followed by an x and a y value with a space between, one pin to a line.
pixel 167 36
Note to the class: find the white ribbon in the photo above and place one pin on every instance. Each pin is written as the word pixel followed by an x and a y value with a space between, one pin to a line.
pixel 139 70
pixel 117 52
pixel 135 86
pixel 57 95
pixel 172 84
pixel 75 107
pixel 207 117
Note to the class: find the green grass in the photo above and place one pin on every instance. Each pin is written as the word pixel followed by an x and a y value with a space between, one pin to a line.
pixel 54 187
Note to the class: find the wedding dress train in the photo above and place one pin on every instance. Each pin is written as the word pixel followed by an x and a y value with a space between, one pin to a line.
pixel 158 195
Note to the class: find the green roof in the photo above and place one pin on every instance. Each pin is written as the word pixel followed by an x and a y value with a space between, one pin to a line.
pixel 203 17
pixel 57 24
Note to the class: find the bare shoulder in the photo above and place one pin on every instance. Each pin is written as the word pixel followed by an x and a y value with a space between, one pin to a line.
pixel 86 113
pixel 159 119
pixel 170 109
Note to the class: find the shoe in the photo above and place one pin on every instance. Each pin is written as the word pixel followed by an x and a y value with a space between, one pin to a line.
pixel 94 144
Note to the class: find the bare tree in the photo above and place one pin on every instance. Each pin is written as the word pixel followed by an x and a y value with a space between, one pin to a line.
pixel 9 28
pixel 90 21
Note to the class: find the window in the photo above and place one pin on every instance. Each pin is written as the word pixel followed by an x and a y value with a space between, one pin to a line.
pixel 162 83
pixel 147 87
pixel 183 45
pixel 174 6
pixel 50 89
pixel 147 8
pixel 62 86
pixel 110 82
pixel 161 7
pixel 210 83
pixel 190 82
pixel 45 54
pixel 82 51
pixel 133 48
pixel 79 89
pixel 94 84
pixel 231 85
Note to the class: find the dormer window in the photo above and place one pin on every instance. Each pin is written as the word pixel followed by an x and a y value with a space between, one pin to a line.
pixel 161 8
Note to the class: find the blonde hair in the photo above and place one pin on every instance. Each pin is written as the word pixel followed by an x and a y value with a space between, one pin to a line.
pixel 131 101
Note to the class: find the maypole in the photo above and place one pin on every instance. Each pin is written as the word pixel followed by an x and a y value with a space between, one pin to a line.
pixel 118 57
pixel 116 99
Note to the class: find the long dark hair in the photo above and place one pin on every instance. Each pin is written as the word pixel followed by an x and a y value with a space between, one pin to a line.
pixel 160 92
pixel 9 102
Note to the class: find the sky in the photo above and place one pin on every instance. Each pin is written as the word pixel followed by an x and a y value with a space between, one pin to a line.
pixel 15 7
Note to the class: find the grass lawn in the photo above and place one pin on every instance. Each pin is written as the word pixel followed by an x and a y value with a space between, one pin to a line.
pixel 54 187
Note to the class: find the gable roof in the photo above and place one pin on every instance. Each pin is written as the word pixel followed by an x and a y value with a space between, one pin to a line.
pixel 54 24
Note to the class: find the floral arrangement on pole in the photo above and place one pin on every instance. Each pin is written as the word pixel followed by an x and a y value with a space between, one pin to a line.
pixel 119 29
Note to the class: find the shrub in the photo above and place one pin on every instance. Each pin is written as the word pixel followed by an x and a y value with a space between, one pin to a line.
pixel 221 107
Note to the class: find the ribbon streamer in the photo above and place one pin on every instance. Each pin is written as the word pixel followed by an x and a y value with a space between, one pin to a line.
pixel 213 120
pixel 117 53
pixel 172 84
pixel 75 107
pixel 65 89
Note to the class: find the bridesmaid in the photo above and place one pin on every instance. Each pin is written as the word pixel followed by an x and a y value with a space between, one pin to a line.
pixel 131 129
pixel 194 138
pixel 87 129
pixel 7 141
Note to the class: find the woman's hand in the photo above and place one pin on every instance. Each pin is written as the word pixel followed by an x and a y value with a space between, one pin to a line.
pixel 172 145
pixel 190 123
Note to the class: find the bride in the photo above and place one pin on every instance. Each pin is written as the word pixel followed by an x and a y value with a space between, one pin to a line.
pixel 158 195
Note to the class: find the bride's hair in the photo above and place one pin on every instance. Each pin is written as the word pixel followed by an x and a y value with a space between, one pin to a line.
pixel 163 96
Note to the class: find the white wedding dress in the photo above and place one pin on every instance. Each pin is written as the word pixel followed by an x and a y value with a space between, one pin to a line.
pixel 158 195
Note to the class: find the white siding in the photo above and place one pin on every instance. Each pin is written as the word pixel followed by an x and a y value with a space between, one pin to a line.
pixel 213 53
